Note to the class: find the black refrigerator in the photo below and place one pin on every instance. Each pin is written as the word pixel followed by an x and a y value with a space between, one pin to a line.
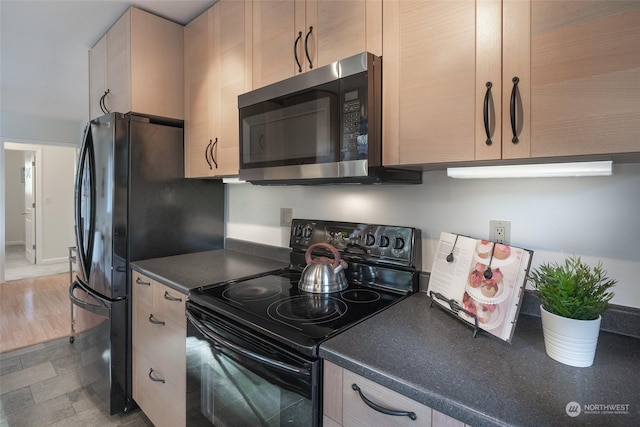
pixel 132 202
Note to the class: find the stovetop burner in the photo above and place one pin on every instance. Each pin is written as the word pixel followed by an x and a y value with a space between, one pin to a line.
pixel 360 295
pixel 308 309
pixel 253 291
pixel 383 267
pixel 274 299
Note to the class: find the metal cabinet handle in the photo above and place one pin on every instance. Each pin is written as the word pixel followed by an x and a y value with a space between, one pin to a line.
pixel 213 159
pixel 154 321
pixel 295 51
pixel 152 378
pixel 512 109
pixel 206 153
pixel 381 409
pixel 485 113
pixel 170 298
pixel 306 47
pixel 142 282
pixel 103 102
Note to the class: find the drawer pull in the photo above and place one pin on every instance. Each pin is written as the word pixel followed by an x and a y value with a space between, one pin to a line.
pixel 485 113
pixel 513 109
pixel 213 146
pixel 379 408
pixel 295 51
pixel 142 282
pixel 306 47
pixel 170 298
pixel 206 154
pixel 152 378
pixel 154 321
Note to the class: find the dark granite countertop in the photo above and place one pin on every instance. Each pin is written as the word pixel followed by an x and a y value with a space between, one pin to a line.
pixel 189 271
pixel 428 355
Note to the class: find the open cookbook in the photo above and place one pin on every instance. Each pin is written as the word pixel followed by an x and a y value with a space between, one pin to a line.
pixel 479 279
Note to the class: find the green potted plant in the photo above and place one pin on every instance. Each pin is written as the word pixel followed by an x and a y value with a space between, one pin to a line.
pixel 573 297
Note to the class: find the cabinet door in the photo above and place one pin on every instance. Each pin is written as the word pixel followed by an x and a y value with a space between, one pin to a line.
pixel 199 80
pixel 273 38
pixel 502 79
pixel 119 65
pixel 233 78
pixel 516 80
pixel 585 78
pixel 97 76
pixel 157 65
pixel 429 82
pixel 342 29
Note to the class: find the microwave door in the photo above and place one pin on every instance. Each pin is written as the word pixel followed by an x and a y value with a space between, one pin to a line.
pixel 292 138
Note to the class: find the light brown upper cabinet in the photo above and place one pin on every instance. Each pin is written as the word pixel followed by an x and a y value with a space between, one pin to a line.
pixel 294 36
pixel 138 64
pixel 585 78
pixel 429 80
pixel 510 79
pixel 217 70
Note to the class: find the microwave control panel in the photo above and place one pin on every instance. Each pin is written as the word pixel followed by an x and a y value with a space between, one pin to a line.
pixel 354 135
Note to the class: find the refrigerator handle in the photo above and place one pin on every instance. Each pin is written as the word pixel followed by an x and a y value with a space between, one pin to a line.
pixel 86 158
pixel 102 309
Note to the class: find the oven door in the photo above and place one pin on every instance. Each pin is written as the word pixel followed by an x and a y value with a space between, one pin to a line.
pixel 235 378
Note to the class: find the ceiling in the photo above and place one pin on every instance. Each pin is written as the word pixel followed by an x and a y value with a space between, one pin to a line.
pixel 44 45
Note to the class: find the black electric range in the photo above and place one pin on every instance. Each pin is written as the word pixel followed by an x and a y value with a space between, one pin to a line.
pixel 383 268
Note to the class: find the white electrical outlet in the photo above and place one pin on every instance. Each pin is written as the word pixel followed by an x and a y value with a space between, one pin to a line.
pixel 500 231
pixel 286 215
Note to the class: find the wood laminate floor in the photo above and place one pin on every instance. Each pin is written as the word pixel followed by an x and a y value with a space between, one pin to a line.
pixel 39 383
pixel 33 311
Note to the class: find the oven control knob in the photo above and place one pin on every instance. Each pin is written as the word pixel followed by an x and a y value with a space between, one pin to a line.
pixel 384 241
pixel 308 232
pixel 370 240
pixel 399 243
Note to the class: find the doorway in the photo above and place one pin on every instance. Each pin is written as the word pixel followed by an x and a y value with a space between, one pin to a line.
pixel 38 209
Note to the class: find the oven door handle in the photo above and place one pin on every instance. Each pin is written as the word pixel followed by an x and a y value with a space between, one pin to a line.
pixel 244 352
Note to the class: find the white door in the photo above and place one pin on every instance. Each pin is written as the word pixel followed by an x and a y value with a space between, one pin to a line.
pixel 30 205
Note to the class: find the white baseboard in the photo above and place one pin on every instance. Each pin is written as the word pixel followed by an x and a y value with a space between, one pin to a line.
pixel 53 261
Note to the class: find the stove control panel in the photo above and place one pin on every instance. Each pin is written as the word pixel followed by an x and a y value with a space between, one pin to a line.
pixel 391 244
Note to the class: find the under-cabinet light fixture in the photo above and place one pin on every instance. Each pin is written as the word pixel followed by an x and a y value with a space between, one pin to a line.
pixel 603 168
pixel 233 180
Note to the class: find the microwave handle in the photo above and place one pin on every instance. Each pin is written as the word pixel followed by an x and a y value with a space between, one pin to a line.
pixel 242 351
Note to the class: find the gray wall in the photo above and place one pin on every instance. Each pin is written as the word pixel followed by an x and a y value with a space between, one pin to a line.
pixel 14 194
pixel 594 217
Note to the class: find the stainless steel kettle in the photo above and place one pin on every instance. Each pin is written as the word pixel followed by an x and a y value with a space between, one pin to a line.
pixel 323 275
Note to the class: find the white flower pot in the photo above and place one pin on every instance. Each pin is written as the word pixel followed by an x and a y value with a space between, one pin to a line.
pixel 570 341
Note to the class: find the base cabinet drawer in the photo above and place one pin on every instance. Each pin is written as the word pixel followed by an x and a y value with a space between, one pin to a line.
pixel 155 390
pixel 351 400
pixel 159 351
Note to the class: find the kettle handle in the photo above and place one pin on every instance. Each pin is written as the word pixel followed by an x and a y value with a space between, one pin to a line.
pixel 322 260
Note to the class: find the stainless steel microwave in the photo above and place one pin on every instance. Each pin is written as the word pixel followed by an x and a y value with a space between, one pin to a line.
pixel 323 126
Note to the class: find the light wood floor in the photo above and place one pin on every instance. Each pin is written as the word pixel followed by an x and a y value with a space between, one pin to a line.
pixel 34 310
